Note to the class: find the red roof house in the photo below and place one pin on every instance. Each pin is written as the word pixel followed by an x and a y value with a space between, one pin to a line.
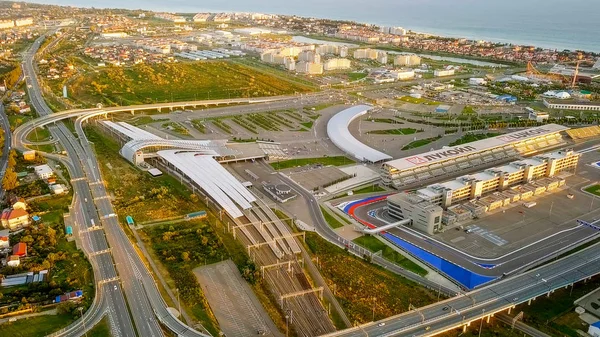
pixel 20 249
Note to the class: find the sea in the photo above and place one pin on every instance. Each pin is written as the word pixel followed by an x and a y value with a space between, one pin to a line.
pixel 553 24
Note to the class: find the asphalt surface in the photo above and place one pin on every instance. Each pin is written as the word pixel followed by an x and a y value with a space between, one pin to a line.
pixel 103 263
pixel 5 146
pixel 513 262
pixel 325 231
pixel 500 296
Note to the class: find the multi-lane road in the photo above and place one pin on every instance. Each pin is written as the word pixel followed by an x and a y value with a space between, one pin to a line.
pixel 6 145
pixel 461 310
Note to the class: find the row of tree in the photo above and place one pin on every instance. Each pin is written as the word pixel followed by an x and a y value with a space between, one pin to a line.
pixel 10 180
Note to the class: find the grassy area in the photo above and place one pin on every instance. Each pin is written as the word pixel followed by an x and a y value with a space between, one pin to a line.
pixel 384 120
pixel 375 245
pixel 356 76
pixel 348 276
pixel 102 329
pixel 39 135
pixel 36 326
pixel 176 127
pixel 335 161
pixel 142 120
pixel 333 222
pixel 471 137
pixel 594 189
pixel 420 142
pixel 321 106
pixel 199 125
pixel 137 193
pixel 308 125
pixel 414 100
pixel 143 83
pixel 369 189
pixel 402 131
pixel 181 248
pixel 222 125
pixel 553 315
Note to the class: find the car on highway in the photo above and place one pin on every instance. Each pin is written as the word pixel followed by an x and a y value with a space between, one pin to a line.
pixel 381 324
pixel 445 309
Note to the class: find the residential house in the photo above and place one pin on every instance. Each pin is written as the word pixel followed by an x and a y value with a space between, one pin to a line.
pixel 17 202
pixel 20 249
pixel 13 261
pixel 14 218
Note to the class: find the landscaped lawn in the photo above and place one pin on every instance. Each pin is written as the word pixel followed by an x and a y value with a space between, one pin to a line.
pixel 471 137
pixel 594 189
pixel 418 100
pixel 420 142
pixel 385 120
pixel 356 76
pixel 402 131
pixel 335 161
pixel 375 245
pixel 39 135
pixel 101 329
pixel 369 189
pixel 35 326
pixel 333 222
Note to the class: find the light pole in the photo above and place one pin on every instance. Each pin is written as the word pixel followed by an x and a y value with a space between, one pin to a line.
pixel 178 302
pixel 82 321
pixel 481 323
pixel 286 326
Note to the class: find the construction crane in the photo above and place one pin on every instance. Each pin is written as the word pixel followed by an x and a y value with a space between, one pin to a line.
pixel 576 73
pixel 534 73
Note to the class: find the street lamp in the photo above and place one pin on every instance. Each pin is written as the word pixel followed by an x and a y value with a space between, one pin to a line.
pixel 82 321
pixel 286 326
pixel 481 323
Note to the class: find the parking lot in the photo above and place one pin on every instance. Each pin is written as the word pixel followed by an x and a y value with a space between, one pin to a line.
pixel 515 226
pixel 235 306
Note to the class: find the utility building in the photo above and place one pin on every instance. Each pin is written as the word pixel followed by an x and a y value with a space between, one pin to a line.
pixel 425 216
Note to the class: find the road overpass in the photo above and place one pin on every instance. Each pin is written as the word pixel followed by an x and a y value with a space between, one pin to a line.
pixel 504 295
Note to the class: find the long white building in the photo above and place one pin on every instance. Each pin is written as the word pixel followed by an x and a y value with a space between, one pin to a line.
pixel 408 170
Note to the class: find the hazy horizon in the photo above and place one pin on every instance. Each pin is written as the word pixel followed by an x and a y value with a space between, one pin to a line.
pixel 544 23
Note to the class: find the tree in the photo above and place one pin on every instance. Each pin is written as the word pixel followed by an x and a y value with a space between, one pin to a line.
pixel 12 158
pixel 185 256
pixel 10 181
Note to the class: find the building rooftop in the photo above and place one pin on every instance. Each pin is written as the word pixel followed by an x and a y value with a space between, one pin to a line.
pixel 337 130
pixel 431 157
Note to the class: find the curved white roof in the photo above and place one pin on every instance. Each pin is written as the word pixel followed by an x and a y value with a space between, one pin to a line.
pixel 337 131
pixel 213 178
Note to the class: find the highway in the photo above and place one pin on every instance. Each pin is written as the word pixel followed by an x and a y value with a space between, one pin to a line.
pixel 99 227
pixel 461 310
pixel 6 145
pixel 325 231
pixel 103 263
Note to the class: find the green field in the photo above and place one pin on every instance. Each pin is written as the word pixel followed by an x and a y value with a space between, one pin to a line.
pixel 335 161
pixel 332 221
pixel 402 131
pixel 135 192
pixel 420 142
pixel 374 245
pixel 36 326
pixel 594 189
pixel 180 248
pixel 414 100
pixel 101 329
pixel 471 137
pixel 308 125
pixel 356 76
pixel 384 120
pixel 39 135
pixel 143 84
pixel 348 276
pixel 369 189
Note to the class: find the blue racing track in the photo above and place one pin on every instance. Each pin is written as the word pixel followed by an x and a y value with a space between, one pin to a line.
pixel 463 276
